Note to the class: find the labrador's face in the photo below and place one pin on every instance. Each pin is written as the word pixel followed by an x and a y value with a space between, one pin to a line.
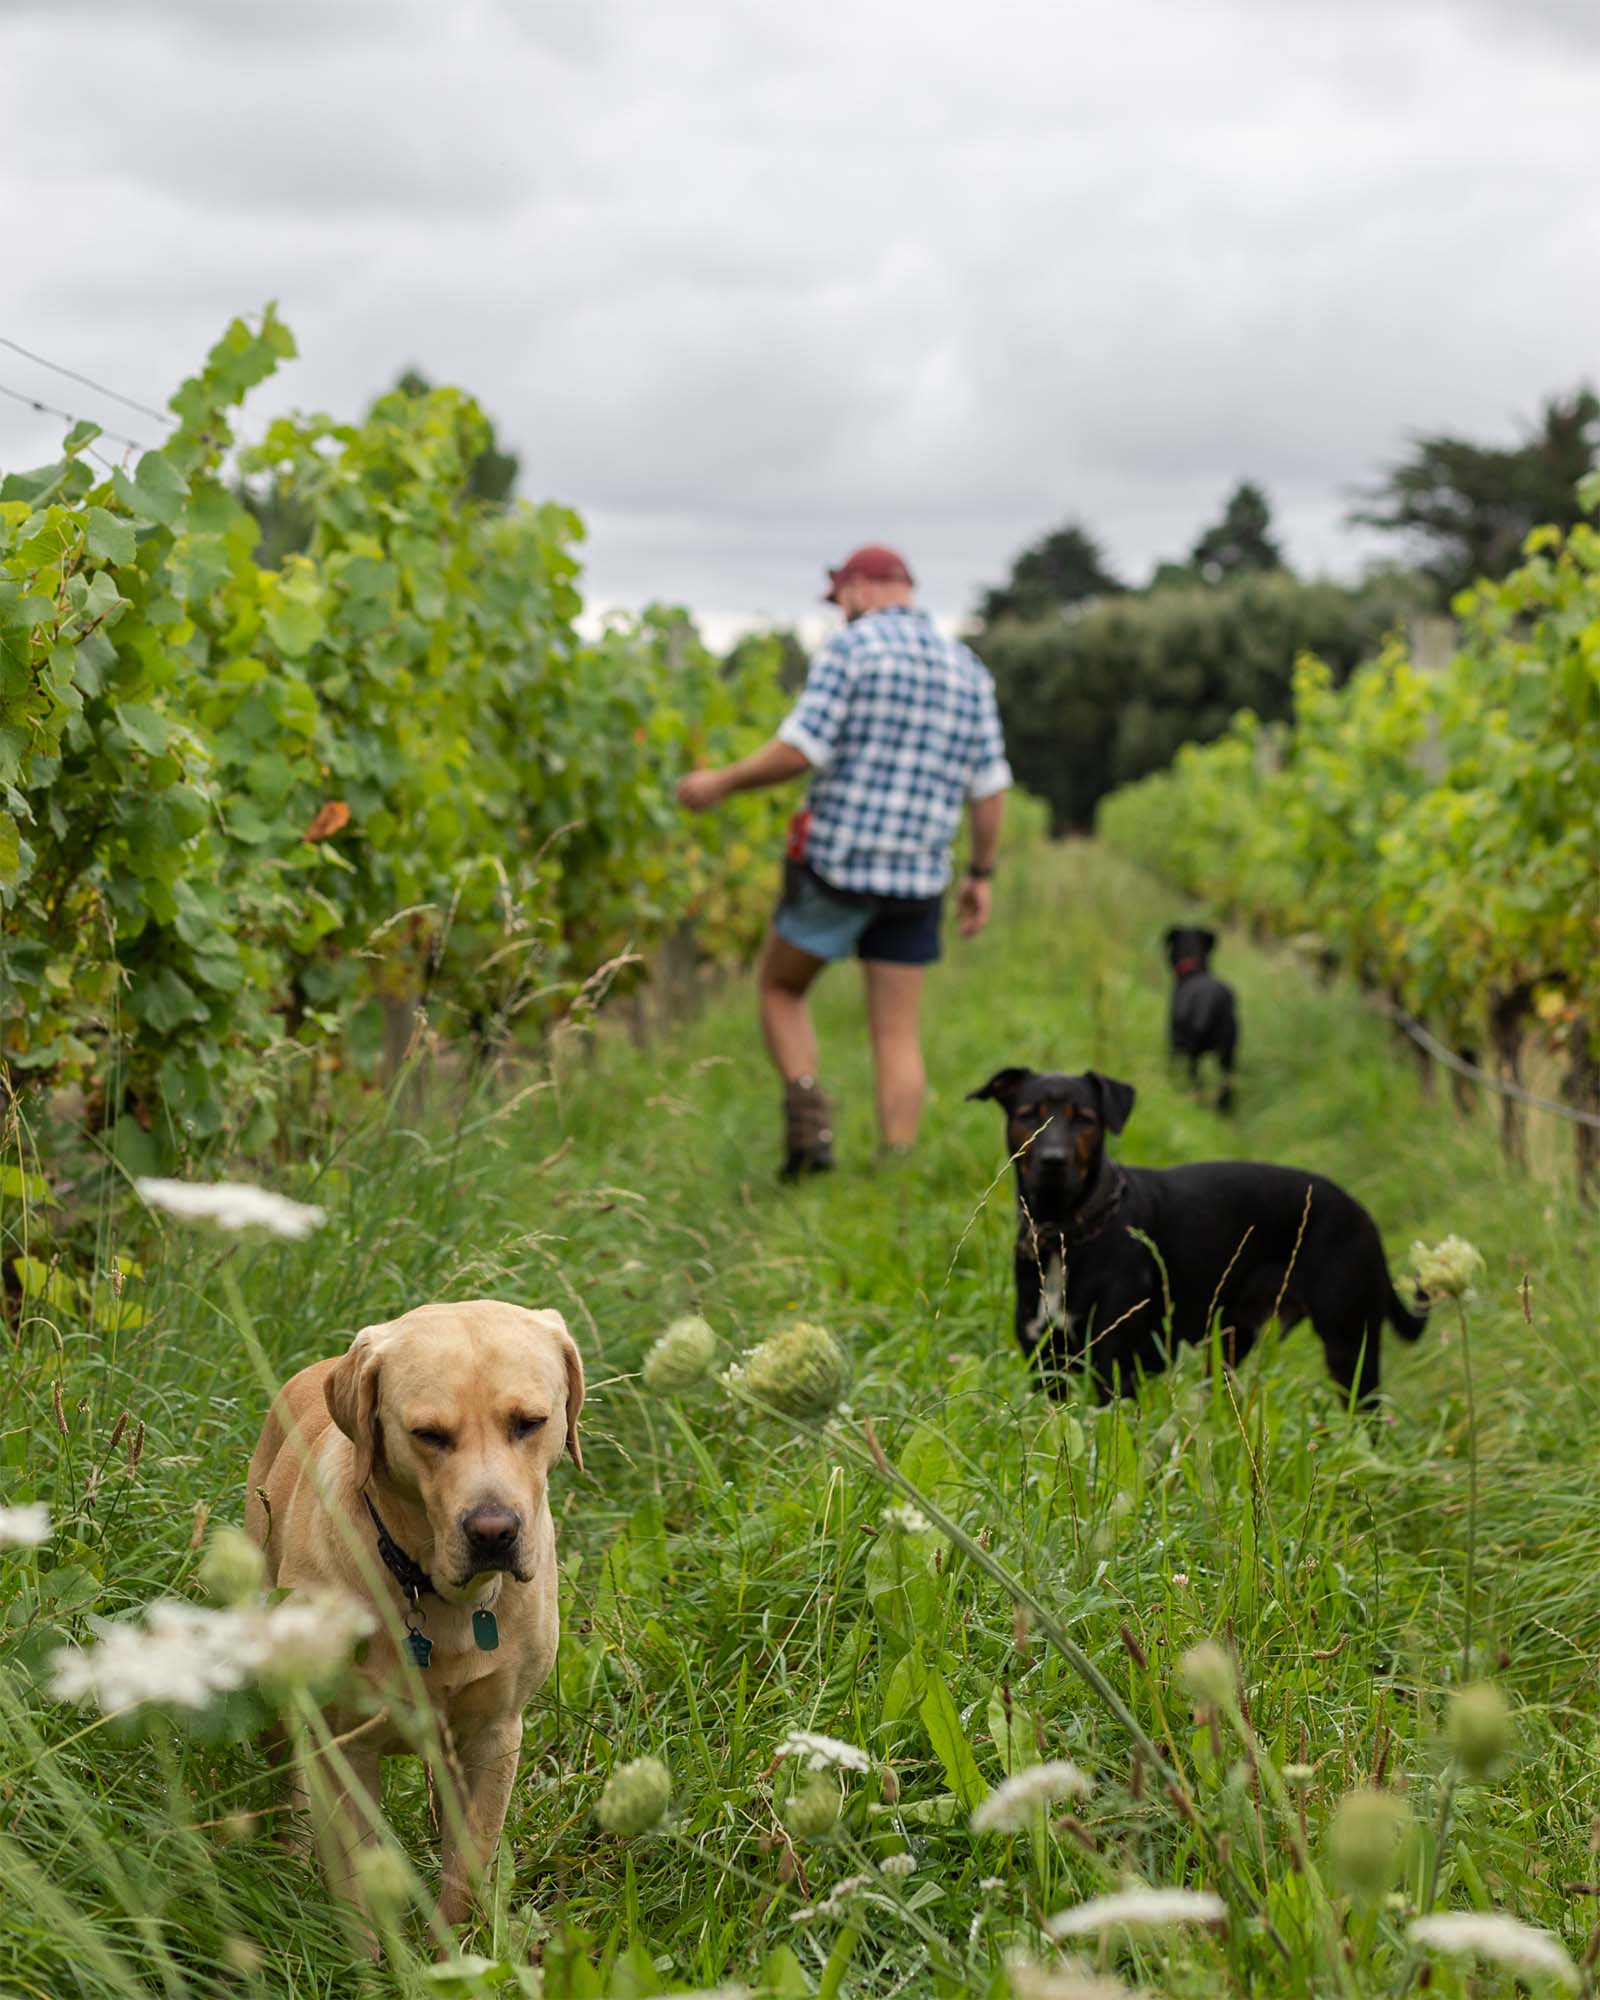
pixel 462 1410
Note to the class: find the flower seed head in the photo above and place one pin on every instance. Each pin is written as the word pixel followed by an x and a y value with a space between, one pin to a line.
pixel 1447 1269
pixel 681 1357
pixel 385 1881
pixel 636 1798
pixel 1208 1674
pixel 813 1808
pixel 1364 1839
pixel 1480 1728
pixel 233 1568
pixel 800 1370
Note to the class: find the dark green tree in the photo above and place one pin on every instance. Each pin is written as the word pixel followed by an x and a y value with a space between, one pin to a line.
pixel 1241 541
pixel 1465 509
pixel 1062 568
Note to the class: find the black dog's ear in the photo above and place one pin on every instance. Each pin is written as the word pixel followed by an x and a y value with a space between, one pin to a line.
pixel 1002 1086
pixel 1209 940
pixel 1170 938
pixel 1116 1099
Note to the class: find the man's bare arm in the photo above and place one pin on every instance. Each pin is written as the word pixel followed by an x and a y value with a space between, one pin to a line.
pixel 775 763
pixel 985 817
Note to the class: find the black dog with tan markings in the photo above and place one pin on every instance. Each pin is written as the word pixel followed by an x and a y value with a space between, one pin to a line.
pixel 1116 1265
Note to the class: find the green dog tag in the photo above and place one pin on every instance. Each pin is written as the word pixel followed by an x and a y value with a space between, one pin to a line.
pixel 420 1647
pixel 485 1631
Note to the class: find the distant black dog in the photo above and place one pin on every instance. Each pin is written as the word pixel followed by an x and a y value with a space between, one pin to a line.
pixel 1236 1242
pixel 1204 1019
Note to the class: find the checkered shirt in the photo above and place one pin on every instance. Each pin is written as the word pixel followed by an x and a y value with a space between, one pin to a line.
pixel 901 728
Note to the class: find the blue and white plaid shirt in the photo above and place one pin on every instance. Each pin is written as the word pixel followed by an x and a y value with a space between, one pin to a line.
pixel 901 728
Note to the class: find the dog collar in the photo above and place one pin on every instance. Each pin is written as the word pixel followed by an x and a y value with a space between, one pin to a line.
pixel 1098 1211
pixel 412 1578
pixel 1184 966
pixel 415 1581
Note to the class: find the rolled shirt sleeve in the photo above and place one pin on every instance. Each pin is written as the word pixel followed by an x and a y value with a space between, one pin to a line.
pixel 816 722
pixel 990 773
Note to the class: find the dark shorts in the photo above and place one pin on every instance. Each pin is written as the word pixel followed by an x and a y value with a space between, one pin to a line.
pixel 831 923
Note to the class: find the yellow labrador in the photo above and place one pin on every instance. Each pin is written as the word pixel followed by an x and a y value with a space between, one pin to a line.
pixel 433 1439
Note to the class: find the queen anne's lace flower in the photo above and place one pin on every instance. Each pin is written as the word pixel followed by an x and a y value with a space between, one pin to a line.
pixel 1032 1981
pixel 1138 1909
pixel 681 1356
pixel 1506 1940
pixel 24 1527
pixel 232 1205
pixel 1447 1269
pixel 635 1798
pixel 184 1656
pixel 1011 1806
pixel 834 1903
pixel 800 1370
pixel 823 1753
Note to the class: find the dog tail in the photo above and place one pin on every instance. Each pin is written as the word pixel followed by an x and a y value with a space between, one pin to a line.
pixel 1408 1324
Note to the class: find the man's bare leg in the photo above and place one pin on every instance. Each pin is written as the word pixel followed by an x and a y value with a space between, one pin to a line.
pixel 894 999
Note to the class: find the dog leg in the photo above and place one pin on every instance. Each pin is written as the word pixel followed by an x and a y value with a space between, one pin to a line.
pixel 344 1807
pixel 1353 1362
pixel 486 1764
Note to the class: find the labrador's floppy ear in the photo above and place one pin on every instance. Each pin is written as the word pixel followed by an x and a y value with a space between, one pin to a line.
pixel 574 1365
pixel 1002 1086
pixel 1116 1099
pixel 1209 940
pixel 1169 937
pixel 351 1393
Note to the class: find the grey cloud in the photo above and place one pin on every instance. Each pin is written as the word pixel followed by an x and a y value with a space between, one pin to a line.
pixel 749 283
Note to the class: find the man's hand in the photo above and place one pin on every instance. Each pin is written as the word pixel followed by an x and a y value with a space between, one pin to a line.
pixel 972 906
pixel 701 790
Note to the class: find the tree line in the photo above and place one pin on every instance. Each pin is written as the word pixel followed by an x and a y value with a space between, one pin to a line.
pixel 1100 681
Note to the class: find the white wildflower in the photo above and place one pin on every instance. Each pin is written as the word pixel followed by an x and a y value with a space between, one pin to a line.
pixel 991 1885
pixel 823 1753
pixel 1509 1942
pixel 184 1656
pixel 24 1527
pixel 909 1520
pixel 1033 1981
pixel 1011 1806
pixel 232 1205
pixel 898 1864
pixel 1138 1909
pixel 1446 1270
pixel 834 1903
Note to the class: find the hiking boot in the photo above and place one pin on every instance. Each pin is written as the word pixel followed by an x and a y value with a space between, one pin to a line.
pixel 808 1129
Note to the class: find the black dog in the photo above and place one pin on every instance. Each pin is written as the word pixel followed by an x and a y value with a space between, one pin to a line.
pixel 1204 1019
pixel 1237 1242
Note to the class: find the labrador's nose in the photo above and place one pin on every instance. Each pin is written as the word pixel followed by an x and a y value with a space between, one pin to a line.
pixel 491 1533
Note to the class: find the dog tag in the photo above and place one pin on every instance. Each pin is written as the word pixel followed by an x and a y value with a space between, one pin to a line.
pixel 420 1647
pixel 485 1631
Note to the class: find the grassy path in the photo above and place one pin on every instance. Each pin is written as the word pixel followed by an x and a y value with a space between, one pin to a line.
pixel 728 1582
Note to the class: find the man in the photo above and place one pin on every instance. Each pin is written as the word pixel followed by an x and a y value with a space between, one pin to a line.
pixel 898 727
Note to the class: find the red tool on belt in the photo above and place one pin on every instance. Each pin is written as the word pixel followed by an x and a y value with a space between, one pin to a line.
pixel 799 835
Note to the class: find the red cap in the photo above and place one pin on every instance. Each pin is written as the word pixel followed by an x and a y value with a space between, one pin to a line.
pixel 873 564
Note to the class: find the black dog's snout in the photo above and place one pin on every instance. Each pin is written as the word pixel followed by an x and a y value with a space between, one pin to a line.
pixel 491 1534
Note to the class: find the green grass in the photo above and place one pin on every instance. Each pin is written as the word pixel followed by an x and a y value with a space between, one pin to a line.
pixel 728 1578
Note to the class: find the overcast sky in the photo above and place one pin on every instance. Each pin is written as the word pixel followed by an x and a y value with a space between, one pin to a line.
pixel 749 282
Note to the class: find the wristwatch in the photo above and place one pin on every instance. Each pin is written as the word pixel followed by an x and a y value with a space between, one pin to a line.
pixel 979 874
